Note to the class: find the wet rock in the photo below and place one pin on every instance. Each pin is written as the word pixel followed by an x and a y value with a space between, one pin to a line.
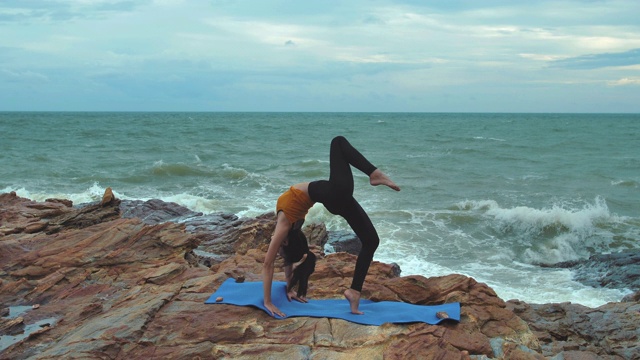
pixel 618 270
pixel 210 226
pixel 316 234
pixel 155 211
pixel 344 241
pixel 224 235
pixel 91 310
pixel 11 326
pixel 65 202
pixel 576 355
pixel 86 216
pixel 609 330
pixel 635 297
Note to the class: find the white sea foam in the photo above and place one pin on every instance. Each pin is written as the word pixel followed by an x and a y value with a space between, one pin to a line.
pixel 526 219
pixel 234 173
pixel 564 247
pixel 477 205
pixel 414 265
pixel 554 234
pixel 625 183
pixel 510 279
pixel 539 285
pixel 193 202
pixel 91 194
pixel 490 138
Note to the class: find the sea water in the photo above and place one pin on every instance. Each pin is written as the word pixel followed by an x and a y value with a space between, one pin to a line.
pixel 491 196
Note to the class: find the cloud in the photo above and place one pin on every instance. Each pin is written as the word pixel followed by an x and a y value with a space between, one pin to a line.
pixel 61 10
pixel 386 54
pixel 595 61
pixel 625 82
pixel 542 57
pixel 22 76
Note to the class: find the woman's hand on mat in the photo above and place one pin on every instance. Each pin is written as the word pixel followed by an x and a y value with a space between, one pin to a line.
pixel 293 295
pixel 273 310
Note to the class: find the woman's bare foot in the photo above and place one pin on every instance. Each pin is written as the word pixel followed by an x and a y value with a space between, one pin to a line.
pixel 377 177
pixel 354 300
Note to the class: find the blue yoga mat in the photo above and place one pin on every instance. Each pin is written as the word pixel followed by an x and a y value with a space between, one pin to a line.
pixel 375 313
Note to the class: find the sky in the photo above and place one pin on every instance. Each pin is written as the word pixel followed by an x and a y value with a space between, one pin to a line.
pixel 576 56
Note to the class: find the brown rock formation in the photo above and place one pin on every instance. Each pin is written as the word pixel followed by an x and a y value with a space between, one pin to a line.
pixel 113 287
pixel 108 197
pixel 571 327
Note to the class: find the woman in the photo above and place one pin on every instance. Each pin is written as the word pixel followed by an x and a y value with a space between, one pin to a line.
pixel 336 194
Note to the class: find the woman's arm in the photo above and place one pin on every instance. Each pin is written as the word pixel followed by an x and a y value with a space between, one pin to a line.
pixel 279 235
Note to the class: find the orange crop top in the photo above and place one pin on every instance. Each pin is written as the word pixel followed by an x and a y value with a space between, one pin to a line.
pixel 294 203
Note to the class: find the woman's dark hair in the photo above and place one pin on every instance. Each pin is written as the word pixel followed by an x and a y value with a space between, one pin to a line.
pixel 295 249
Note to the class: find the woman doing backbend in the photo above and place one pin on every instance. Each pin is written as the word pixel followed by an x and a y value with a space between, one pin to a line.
pixel 336 194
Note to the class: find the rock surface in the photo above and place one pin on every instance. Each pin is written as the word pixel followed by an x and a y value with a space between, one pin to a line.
pixel 570 327
pixel 128 280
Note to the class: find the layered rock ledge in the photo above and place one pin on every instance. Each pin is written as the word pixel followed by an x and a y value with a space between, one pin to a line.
pixel 128 280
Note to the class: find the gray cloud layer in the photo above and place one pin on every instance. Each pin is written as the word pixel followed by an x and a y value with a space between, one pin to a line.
pixel 320 56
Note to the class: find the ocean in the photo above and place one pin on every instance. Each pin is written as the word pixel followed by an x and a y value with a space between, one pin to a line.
pixel 491 196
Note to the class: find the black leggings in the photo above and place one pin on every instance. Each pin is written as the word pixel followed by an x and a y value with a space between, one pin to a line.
pixel 336 195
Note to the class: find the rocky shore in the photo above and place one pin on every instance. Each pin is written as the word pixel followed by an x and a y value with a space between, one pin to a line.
pixel 128 279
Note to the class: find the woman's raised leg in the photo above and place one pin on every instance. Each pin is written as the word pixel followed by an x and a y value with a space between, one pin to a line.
pixel 341 157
